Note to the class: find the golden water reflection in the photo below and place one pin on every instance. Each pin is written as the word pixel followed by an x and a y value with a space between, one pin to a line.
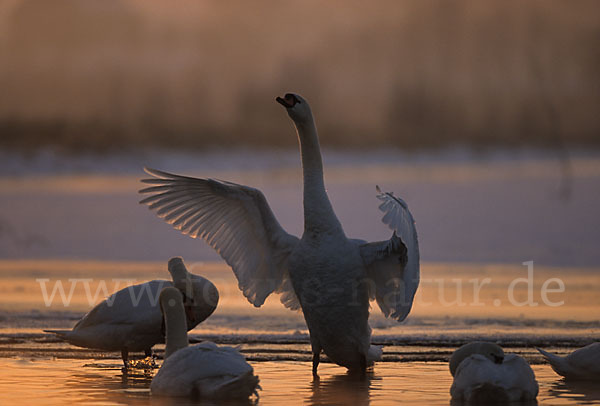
pixel 50 381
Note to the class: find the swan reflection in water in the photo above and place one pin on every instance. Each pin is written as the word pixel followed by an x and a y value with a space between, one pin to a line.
pixel 579 391
pixel 109 382
pixel 344 389
pixel 98 382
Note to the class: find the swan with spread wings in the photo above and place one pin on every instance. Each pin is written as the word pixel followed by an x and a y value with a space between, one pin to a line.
pixel 330 277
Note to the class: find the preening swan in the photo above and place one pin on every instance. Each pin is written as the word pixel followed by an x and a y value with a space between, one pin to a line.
pixel 483 374
pixel 491 351
pixel 130 320
pixel 203 370
pixel 581 364
pixel 329 276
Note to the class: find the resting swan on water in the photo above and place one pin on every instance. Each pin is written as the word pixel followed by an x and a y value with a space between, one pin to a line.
pixel 483 374
pixel 130 320
pixel 203 370
pixel 581 364
pixel 329 276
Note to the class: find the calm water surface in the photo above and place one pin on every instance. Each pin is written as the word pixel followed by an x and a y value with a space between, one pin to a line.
pixel 53 381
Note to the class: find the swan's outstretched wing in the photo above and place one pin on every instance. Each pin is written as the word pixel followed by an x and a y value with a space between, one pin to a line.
pixel 236 221
pixel 393 265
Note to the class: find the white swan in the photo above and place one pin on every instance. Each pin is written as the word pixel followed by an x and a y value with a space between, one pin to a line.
pixel 493 352
pixel 483 374
pixel 130 319
pixel 581 364
pixel 328 275
pixel 203 370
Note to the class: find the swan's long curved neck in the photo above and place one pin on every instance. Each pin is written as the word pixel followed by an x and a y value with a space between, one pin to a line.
pixel 182 280
pixel 175 328
pixel 319 216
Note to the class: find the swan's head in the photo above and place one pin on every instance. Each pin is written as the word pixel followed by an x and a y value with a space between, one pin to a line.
pixel 182 279
pixel 178 271
pixel 491 351
pixel 200 296
pixel 177 268
pixel 296 107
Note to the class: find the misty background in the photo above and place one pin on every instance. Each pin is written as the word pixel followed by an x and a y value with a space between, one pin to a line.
pixel 482 115
pixel 103 75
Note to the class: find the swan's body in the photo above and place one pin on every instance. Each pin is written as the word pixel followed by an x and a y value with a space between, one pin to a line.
pixel 482 381
pixel 130 319
pixel 203 370
pixel 581 364
pixel 326 274
pixel 337 320
pixel 483 374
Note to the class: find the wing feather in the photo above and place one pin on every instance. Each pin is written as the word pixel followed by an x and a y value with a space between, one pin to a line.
pixel 234 220
pixel 393 265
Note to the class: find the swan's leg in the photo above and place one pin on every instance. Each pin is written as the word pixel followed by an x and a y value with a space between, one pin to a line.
pixel 363 364
pixel 316 350
pixel 359 370
pixel 125 356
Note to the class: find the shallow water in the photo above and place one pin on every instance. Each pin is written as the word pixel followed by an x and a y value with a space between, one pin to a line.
pixel 53 381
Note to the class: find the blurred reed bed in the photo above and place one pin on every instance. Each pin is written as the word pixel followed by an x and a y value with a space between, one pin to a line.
pixel 98 75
